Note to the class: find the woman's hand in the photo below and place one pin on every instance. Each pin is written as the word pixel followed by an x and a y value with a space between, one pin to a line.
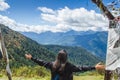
pixel 100 66
pixel 117 19
pixel 28 56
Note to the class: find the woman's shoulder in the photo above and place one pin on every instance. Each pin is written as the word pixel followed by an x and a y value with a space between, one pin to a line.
pixel 69 64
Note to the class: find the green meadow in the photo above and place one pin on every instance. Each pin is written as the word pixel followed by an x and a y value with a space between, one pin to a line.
pixel 87 77
pixel 40 73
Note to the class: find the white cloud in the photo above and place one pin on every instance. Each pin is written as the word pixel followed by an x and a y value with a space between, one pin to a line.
pixel 22 27
pixel 3 5
pixel 64 20
pixel 76 18
pixel 46 10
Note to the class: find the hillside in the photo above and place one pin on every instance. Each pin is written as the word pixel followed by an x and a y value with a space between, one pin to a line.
pixel 77 55
pixel 17 45
pixel 95 42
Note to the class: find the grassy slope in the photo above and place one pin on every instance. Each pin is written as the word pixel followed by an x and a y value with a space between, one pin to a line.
pixel 87 77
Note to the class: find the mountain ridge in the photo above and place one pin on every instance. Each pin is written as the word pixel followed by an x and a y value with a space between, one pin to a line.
pixel 17 45
pixel 95 42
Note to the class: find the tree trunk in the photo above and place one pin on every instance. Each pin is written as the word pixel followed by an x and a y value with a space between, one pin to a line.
pixel 108 75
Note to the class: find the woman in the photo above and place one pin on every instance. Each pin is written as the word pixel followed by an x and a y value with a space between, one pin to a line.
pixel 61 69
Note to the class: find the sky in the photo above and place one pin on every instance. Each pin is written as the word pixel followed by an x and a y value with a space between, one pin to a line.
pixel 52 15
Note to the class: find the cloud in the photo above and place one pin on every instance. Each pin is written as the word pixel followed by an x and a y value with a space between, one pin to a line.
pixel 46 10
pixel 22 27
pixel 3 5
pixel 27 28
pixel 76 19
pixel 61 20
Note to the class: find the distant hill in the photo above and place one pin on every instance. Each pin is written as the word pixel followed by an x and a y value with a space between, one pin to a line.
pixel 95 42
pixel 77 55
pixel 55 38
pixel 17 45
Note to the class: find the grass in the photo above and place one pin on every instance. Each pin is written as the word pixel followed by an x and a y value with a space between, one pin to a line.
pixel 40 73
pixel 24 78
pixel 87 77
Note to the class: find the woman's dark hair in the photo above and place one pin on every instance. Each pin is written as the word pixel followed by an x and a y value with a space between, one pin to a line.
pixel 60 62
pixel 62 56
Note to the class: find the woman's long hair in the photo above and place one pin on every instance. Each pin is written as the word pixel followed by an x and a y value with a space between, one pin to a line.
pixel 60 62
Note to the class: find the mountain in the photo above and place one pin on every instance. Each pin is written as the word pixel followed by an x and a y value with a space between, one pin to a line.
pixel 17 45
pixel 77 55
pixel 54 38
pixel 95 42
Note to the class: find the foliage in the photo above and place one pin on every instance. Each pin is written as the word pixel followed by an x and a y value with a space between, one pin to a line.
pixel 17 45
pixel 28 71
pixel 34 73
pixel 76 55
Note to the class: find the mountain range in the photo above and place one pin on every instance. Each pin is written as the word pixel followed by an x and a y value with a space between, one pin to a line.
pixel 94 42
pixel 18 45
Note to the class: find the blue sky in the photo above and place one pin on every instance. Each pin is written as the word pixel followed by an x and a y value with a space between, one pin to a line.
pixel 52 15
pixel 28 8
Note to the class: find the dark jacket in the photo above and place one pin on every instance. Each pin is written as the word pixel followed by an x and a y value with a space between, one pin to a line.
pixel 67 74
